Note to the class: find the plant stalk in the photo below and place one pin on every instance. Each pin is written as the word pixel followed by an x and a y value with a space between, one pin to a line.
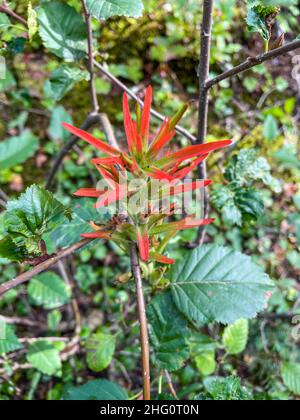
pixel 144 337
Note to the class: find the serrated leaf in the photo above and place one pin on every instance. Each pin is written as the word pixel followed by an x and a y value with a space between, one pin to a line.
pixel 209 285
pixel 44 357
pixel 104 9
pixel 226 389
pixel 8 340
pixel 291 376
pixel 168 333
pixel 247 167
pixel 16 150
pixel 69 232
pixel 100 349
pixel 62 81
pixel 10 251
pixel 235 337
pixel 98 390
pixel 29 217
pixel 62 30
pixel 49 291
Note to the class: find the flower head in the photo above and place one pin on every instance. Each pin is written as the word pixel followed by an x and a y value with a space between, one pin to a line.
pixel 145 159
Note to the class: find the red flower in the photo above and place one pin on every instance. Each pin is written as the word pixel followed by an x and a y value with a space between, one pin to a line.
pixel 142 161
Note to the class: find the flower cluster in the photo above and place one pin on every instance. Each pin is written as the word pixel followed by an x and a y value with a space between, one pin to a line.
pixel 144 160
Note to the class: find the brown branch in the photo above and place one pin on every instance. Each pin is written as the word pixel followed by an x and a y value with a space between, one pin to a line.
pixel 154 113
pixel 203 74
pixel 25 277
pixel 88 21
pixel 5 9
pixel 252 62
pixel 137 274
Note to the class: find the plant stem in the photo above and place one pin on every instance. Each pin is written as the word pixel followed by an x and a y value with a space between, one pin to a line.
pixel 88 21
pixel 137 274
pixel 253 62
pixel 5 9
pixel 203 74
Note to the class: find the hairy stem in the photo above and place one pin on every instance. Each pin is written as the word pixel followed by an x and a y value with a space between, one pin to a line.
pixel 137 274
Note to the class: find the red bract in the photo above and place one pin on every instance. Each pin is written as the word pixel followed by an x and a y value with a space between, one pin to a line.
pixel 144 159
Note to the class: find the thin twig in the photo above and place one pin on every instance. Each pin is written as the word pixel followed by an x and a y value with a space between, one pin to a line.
pixel 3 195
pixel 75 307
pixel 88 21
pixel 137 274
pixel 155 114
pixel 5 9
pixel 170 384
pixel 23 278
pixel 252 62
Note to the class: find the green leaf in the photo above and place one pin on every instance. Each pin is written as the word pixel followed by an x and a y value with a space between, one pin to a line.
pixel 237 205
pixel 56 130
pixel 104 9
pixel 168 333
pixel 8 82
pixel 206 363
pixel 271 131
pixel 257 17
pixel 235 337
pixel 291 376
pixel 98 390
pixel 100 349
pixel 247 167
pixel 8 340
pixel 4 22
pixel 202 349
pixel 9 250
pixel 63 80
pixel 49 291
pixel 288 157
pixel 226 389
pixel 68 233
pixel 209 285
pixel 53 319
pixel 62 30
pixel 16 150
pixel 44 357
pixel 33 214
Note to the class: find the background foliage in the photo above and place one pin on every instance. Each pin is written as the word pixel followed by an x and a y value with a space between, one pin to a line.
pixel 255 199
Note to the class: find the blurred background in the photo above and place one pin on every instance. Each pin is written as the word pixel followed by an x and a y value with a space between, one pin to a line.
pixel 259 214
